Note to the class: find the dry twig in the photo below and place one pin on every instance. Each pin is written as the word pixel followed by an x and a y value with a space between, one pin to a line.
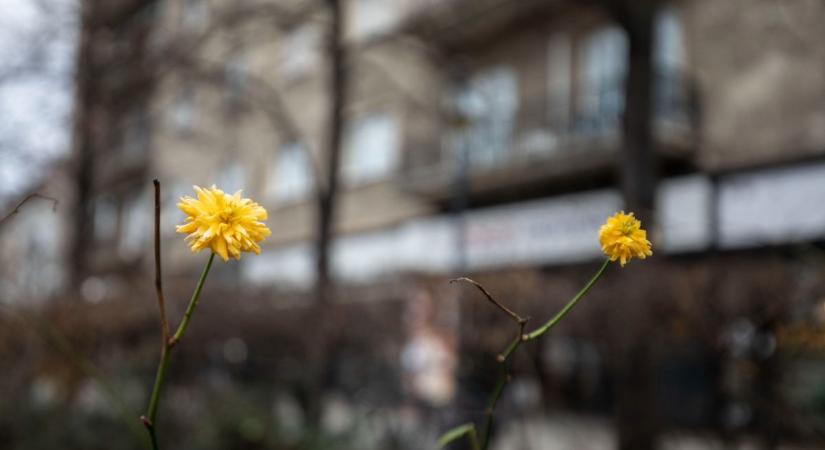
pixel 26 200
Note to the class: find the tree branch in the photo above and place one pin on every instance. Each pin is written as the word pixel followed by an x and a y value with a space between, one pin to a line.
pixel 492 300
pixel 26 200
pixel 502 359
pixel 504 356
pixel 164 323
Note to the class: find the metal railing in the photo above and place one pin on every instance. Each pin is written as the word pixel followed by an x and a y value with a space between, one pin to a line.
pixel 594 114
pixel 489 140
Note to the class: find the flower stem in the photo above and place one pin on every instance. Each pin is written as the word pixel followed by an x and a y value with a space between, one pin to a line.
pixel 193 303
pixel 166 351
pixel 502 382
pixel 538 332
pixel 486 431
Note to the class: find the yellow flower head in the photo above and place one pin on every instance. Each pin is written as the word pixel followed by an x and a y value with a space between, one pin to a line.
pixel 228 224
pixel 623 238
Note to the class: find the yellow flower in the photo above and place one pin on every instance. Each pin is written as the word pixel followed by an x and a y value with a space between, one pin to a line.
pixel 228 224
pixel 623 238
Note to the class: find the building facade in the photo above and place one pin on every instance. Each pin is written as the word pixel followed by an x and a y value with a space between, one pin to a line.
pixel 480 138
pixel 478 135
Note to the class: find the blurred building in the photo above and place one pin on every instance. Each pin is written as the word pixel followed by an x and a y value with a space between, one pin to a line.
pixel 481 136
pixel 507 113
pixel 82 206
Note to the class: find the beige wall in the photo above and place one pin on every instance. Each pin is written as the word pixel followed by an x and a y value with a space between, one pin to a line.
pixel 388 78
pixel 759 65
pixel 758 70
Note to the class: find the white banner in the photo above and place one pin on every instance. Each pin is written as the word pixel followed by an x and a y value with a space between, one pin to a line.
pixel 772 206
pixel 758 208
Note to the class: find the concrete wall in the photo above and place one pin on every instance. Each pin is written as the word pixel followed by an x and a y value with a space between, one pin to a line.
pixel 761 83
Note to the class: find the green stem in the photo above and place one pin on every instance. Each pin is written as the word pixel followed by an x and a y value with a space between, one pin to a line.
pixel 474 439
pixel 503 358
pixel 505 355
pixel 193 303
pixel 538 332
pixel 491 407
pixel 153 437
pixel 166 351
pixel 504 379
pixel 156 390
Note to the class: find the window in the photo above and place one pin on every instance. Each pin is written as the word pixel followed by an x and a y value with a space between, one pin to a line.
pixel 488 105
pixel 195 15
pixel 558 82
pixel 183 109
pixel 668 54
pixel 372 149
pixel 135 143
pixel 136 223
pixel 671 96
pixel 373 17
pixel 235 78
pixel 603 66
pixel 292 174
pixel 300 52
pixel 232 178
pixel 42 268
pixel 105 219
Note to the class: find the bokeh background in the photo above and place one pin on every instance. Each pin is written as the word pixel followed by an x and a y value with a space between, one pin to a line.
pixel 398 144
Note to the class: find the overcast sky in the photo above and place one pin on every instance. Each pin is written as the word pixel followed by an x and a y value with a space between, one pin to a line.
pixel 37 43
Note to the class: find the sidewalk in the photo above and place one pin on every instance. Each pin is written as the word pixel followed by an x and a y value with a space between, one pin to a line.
pixel 573 432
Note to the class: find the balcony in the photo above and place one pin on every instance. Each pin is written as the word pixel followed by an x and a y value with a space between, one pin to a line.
pixel 459 24
pixel 533 147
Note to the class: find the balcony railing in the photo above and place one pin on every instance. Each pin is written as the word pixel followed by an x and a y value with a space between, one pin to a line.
pixel 673 102
pixel 536 130
pixel 492 138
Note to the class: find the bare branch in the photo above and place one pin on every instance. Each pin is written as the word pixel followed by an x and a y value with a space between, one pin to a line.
pixel 498 304
pixel 25 200
pixel 164 323
pixel 502 360
pixel 503 357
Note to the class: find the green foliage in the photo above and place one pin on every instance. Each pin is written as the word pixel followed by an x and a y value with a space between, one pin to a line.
pixel 455 433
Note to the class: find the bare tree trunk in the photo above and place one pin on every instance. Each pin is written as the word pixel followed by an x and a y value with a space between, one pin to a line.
pixel 332 151
pixel 637 421
pixel 768 398
pixel 637 160
pixel 83 144
pixel 321 372
pixel 636 393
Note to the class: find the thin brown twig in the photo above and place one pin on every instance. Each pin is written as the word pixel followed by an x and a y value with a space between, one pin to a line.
pixel 164 323
pixel 25 200
pixel 492 300
pixel 168 342
pixel 502 359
